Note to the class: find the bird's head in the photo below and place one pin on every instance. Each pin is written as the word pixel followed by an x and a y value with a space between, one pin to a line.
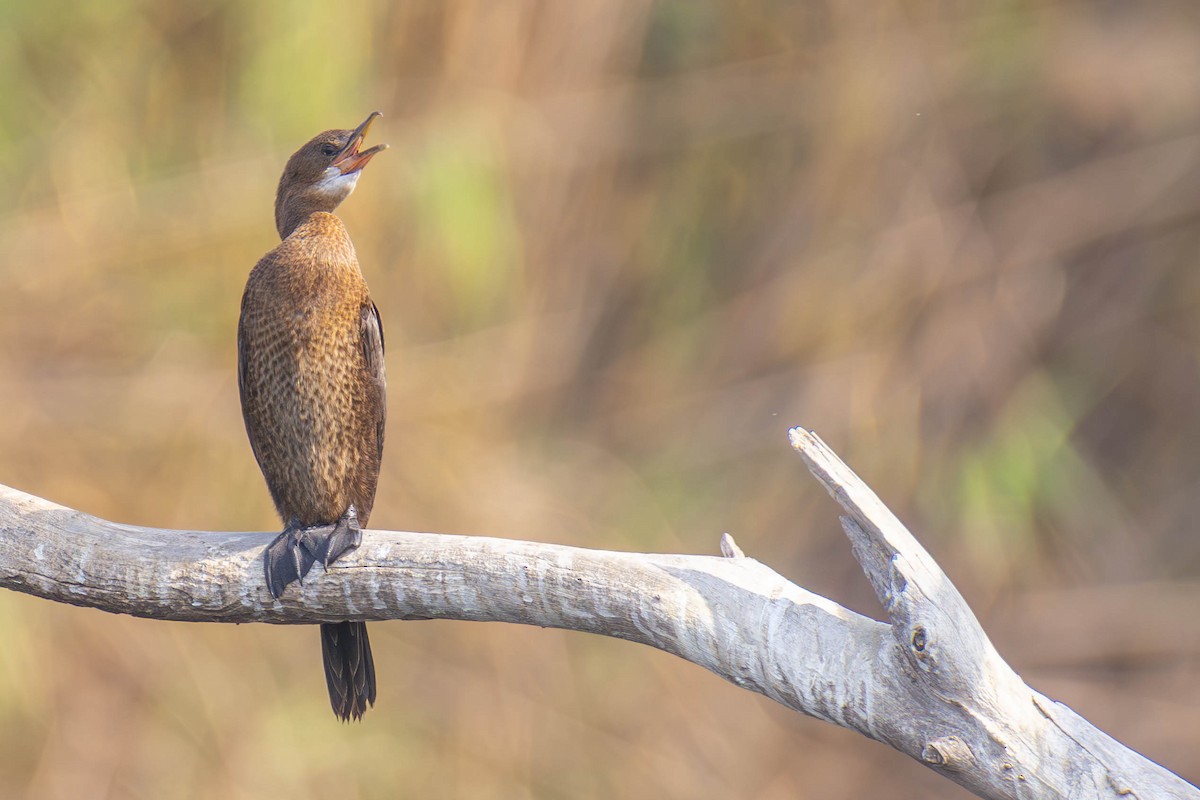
pixel 321 174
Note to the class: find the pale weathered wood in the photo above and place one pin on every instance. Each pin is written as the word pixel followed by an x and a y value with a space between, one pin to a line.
pixel 929 684
pixel 984 727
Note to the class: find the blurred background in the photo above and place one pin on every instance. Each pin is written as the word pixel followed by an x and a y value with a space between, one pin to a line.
pixel 619 248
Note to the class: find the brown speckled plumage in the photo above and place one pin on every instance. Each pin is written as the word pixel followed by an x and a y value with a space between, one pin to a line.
pixel 311 365
pixel 311 377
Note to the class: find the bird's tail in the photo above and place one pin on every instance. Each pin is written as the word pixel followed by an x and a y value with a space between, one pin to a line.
pixel 349 669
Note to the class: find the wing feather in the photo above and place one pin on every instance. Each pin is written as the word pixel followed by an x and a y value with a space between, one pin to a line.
pixel 372 346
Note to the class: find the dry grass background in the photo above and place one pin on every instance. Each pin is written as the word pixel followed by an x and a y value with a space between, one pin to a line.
pixel 619 247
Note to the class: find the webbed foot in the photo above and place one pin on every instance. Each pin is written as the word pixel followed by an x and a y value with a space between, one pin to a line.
pixel 344 536
pixel 291 556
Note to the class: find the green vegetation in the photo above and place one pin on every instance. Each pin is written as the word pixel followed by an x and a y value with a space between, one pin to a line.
pixel 618 249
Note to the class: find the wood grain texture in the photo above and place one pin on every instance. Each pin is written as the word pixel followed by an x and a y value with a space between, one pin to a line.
pixel 928 683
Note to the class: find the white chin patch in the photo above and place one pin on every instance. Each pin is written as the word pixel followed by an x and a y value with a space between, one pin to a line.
pixel 335 184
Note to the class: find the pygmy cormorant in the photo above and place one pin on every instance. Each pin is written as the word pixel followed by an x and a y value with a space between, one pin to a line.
pixel 311 378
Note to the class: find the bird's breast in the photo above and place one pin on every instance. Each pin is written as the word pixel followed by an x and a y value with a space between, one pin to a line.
pixel 302 380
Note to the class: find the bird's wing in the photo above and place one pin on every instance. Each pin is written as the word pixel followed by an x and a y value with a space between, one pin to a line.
pixel 372 345
pixel 243 371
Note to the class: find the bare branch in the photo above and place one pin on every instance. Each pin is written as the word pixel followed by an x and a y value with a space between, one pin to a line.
pixel 930 684
pixel 982 726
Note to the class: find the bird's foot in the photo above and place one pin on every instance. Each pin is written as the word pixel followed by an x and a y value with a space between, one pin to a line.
pixel 344 536
pixel 289 558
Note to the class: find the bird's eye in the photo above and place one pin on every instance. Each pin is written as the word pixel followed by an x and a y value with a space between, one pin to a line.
pixel 328 149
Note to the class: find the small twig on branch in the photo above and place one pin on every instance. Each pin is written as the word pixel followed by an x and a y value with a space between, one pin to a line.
pixel 929 684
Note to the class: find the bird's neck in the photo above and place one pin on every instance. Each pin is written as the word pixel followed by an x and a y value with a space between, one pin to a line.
pixel 296 202
pixel 320 242
pixel 291 213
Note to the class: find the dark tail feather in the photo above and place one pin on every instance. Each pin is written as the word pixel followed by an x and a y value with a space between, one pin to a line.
pixel 349 669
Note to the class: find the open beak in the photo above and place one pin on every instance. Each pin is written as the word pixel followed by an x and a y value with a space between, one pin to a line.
pixel 350 159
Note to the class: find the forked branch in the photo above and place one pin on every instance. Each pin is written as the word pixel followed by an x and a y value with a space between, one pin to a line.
pixel 928 682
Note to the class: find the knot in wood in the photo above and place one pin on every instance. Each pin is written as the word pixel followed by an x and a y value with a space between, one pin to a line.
pixel 948 752
pixel 922 649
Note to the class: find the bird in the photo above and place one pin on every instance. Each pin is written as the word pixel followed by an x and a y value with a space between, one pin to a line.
pixel 313 389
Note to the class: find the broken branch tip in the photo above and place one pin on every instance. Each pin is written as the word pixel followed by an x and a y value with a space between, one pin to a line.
pixel 729 547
